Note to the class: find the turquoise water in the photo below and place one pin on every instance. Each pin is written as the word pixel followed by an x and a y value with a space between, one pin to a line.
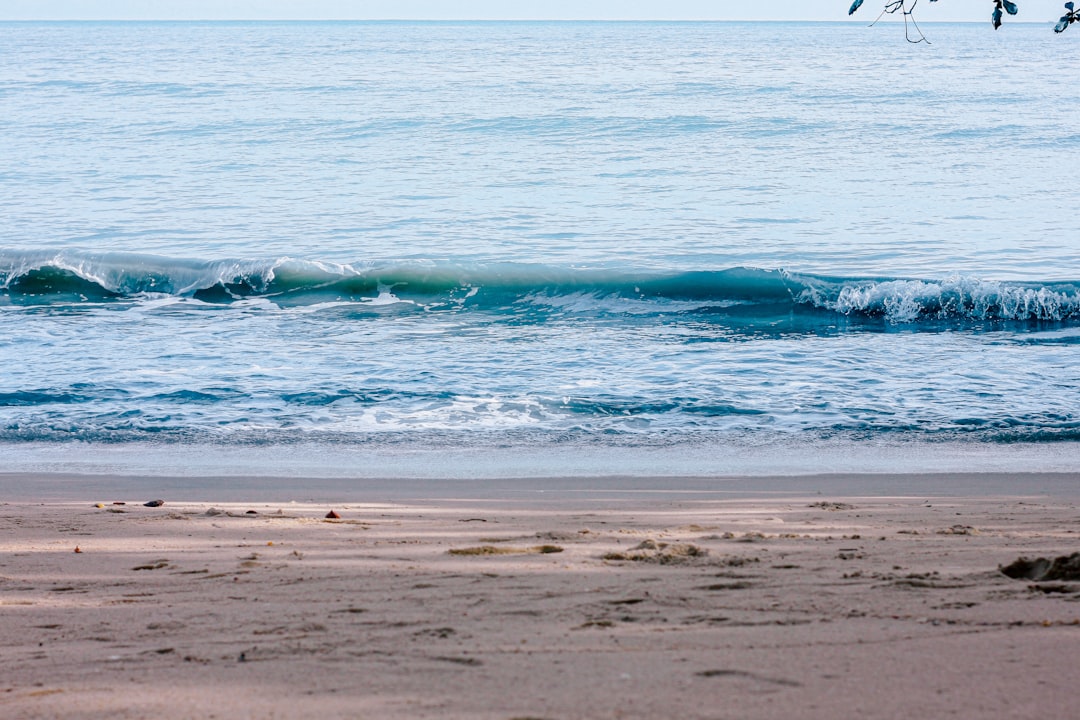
pixel 578 247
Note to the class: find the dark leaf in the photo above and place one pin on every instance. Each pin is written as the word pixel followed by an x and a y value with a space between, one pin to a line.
pixel 997 18
pixel 1069 6
pixel 1062 24
pixel 1010 7
pixel 854 6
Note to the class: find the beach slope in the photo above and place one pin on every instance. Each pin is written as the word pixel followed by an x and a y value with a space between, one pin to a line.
pixel 632 606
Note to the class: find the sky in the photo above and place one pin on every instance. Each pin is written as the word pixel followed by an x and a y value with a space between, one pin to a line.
pixel 945 10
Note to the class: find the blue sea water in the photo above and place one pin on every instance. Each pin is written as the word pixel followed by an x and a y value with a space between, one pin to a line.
pixel 538 248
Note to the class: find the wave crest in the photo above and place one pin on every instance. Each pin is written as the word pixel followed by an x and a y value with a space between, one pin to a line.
pixel 68 276
pixel 956 297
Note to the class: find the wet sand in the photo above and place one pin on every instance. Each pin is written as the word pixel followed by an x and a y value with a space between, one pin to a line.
pixel 607 605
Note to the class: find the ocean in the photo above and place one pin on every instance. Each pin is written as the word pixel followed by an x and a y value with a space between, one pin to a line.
pixel 538 249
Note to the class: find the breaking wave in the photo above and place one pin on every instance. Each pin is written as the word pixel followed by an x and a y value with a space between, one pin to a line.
pixel 71 277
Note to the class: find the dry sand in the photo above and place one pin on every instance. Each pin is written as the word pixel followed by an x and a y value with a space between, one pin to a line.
pixel 618 606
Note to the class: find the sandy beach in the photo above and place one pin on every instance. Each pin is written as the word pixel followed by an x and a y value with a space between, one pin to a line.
pixel 601 605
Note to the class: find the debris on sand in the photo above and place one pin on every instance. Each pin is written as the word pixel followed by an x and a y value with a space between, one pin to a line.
pixel 959 530
pixel 831 506
pixel 546 549
pixel 332 516
pixel 481 550
pixel 492 550
pixel 659 552
pixel 154 503
pixel 1066 567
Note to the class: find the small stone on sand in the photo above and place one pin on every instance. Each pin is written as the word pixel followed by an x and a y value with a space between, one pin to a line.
pixel 332 516
pixel 1066 567
pixel 154 503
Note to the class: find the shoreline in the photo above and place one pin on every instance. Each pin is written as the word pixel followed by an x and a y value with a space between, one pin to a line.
pixel 434 458
pixel 553 491
pixel 550 605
